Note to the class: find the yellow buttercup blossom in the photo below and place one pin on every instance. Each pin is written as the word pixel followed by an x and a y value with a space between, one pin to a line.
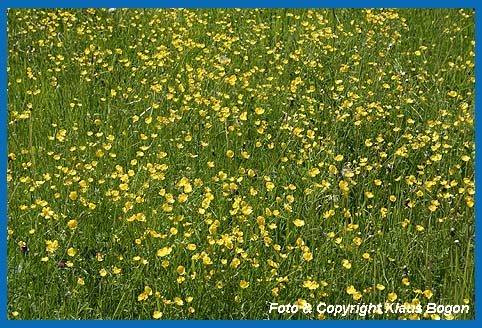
pixel 191 247
pixel 157 315
pixel 72 224
pixel 181 270
pixel 428 293
pixel 71 251
pixel 259 110
pixel 338 158
pixel 164 251
pixel 52 246
pixel 392 296
pixel 350 290
pixel 235 263
pixel 307 256
pixel 298 222
pixel 346 264
pixel 269 185
pixel 311 285
pixel 244 284
pixel 73 195
pixel 369 194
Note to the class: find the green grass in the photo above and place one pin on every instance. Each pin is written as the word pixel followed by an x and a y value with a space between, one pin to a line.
pixel 161 160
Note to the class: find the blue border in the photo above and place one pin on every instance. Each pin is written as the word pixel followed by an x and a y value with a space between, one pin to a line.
pixel 243 4
pixel 221 4
pixel 3 156
pixel 478 156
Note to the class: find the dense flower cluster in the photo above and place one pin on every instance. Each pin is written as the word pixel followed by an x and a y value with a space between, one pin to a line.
pixel 199 163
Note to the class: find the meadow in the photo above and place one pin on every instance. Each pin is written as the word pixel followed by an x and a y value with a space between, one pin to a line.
pixel 204 163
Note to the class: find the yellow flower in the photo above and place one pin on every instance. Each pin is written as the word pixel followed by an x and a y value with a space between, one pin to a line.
pixel 103 272
pixel 300 302
pixel 332 169
pixel 72 224
pixel 346 264
pixel 191 247
pixel 383 212
pixel 343 186
pixel 73 195
pixel 52 246
pixel 80 281
pixel 299 223
pixel 436 157
pixel 187 188
pixel 366 256
pixel 157 315
pixel 235 262
pixel 269 185
pixel 230 153
pixel 338 158
pixel 243 284
pixel 145 294
pixel 314 172
pixel 311 285
pixel 207 260
pixel 71 251
pixel 347 173
pixel 428 293
pixel 392 296
pixel 181 270
pixel 164 251
pixel 259 110
pixel 380 287
pixel 99 256
pixel 350 290
pixel 178 301
pixel 307 256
